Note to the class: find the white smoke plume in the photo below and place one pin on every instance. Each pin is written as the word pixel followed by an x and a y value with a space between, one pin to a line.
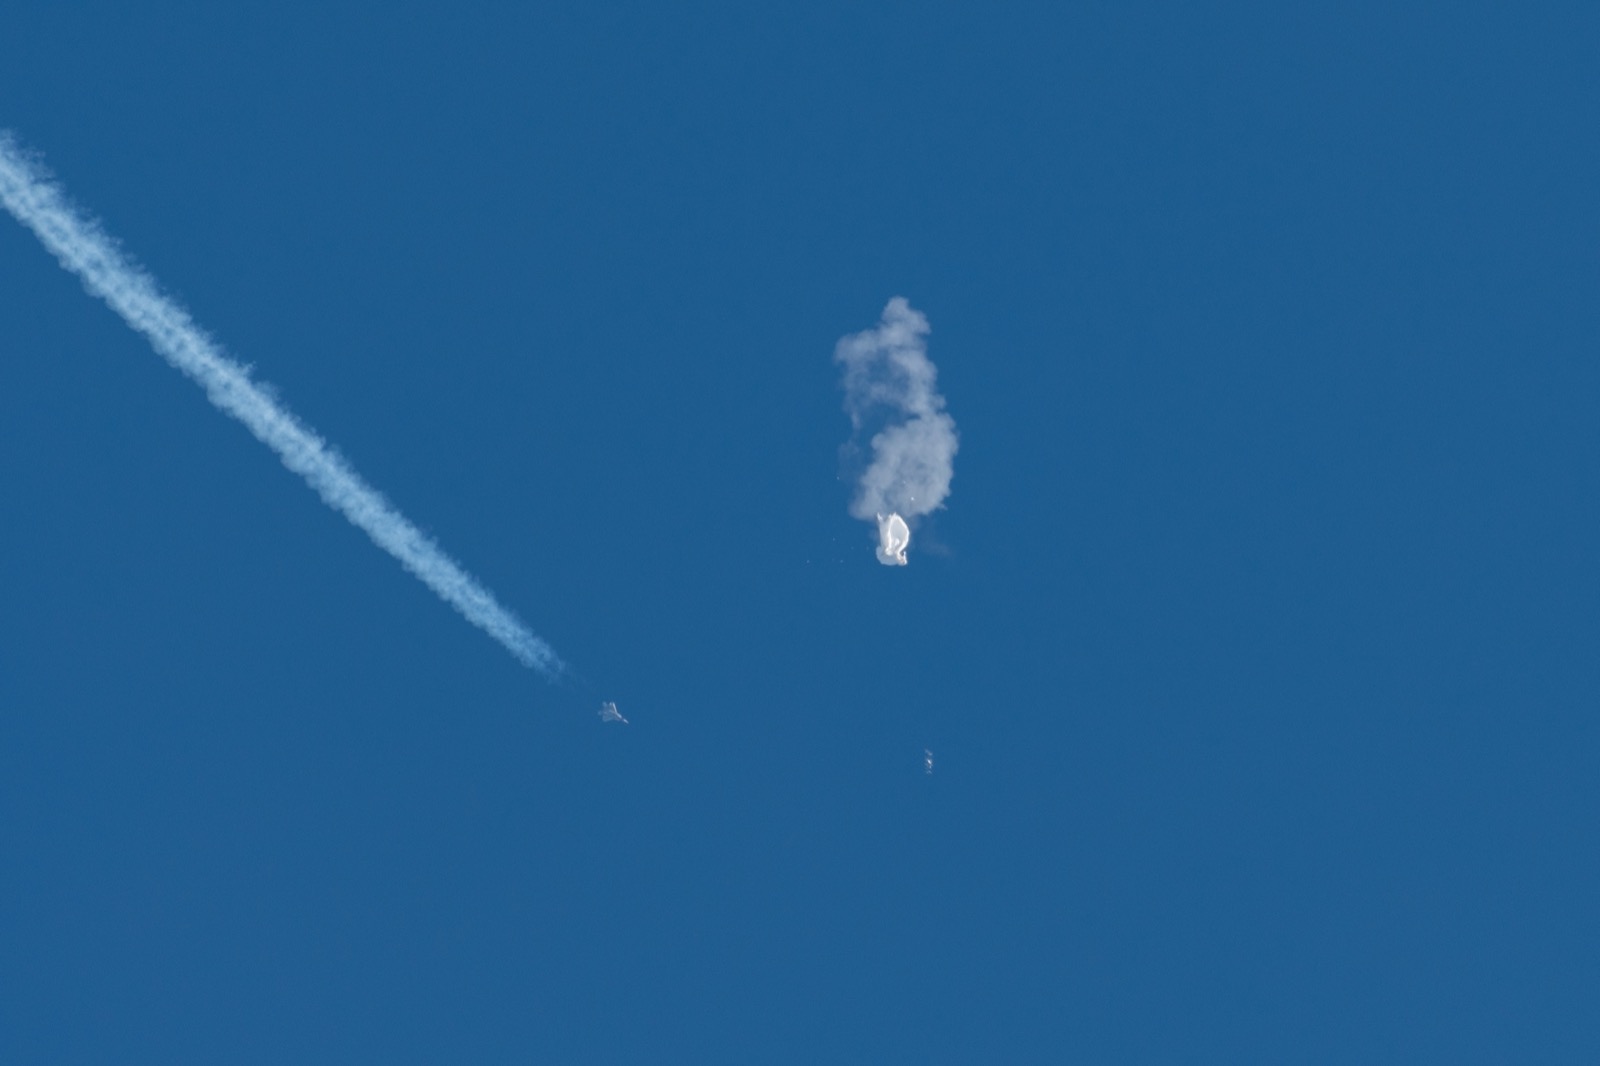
pixel 82 248
pixel 890 391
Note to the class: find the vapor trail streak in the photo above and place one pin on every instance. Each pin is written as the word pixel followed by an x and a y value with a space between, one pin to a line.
pixel 82 248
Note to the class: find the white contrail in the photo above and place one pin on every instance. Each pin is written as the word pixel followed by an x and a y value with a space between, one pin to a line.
pixel 82 248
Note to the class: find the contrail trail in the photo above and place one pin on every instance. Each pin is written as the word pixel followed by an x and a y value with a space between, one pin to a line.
pixel 85 250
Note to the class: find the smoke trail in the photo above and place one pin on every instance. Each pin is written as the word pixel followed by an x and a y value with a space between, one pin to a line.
pixel 82 248
pixel 889 387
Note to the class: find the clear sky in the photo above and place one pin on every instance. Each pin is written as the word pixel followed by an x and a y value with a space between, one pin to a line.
pixel 1256 645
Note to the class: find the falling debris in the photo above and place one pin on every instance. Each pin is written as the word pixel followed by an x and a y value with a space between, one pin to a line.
pixel 892 398
pixel 609 713
pixel 927 761
pixel 893 536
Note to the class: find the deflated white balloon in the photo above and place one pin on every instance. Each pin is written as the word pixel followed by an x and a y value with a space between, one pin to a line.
pixel 893 536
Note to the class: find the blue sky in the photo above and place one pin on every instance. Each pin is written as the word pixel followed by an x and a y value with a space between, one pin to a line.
pixel 1256 645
